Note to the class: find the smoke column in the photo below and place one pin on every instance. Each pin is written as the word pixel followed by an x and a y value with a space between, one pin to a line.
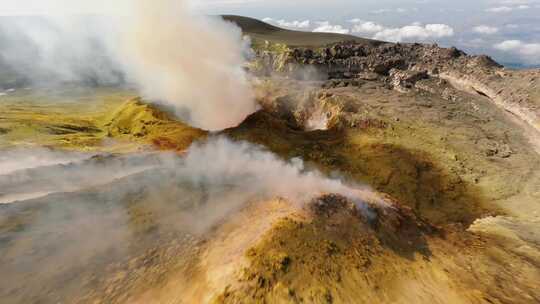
pixel 194 63
pixel 173 55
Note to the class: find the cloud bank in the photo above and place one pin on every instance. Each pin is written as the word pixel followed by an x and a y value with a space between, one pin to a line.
pixel 530 52
pixel 413 32
pixel 297 24
pixel 327 27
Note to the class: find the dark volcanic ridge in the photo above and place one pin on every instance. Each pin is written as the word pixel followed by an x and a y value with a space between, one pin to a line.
pixel 262 31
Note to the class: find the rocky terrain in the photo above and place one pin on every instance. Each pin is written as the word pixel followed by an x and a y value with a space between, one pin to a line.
pixel 406 66
pixel 438 200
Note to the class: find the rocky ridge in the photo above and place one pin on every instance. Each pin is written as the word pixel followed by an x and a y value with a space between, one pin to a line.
pixel 405 67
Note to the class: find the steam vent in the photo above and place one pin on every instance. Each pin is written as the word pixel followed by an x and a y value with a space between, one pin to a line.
pixel 181 158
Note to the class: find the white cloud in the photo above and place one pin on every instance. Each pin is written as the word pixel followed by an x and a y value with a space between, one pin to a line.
pixel 61 7
pixel 412 32
pixel 399 10
pixel 499 9
pixel 326 27
pixel 485 29
pixel 516 2
pixel 505 9
pixel 415 31
pixel 367 27
pixel 528 51
pixel 290 24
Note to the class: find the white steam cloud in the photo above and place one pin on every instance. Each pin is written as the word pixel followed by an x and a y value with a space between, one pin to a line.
pixel 45 50
pixel 260 173
pixel 32 173
pixel 20 159
pixel 191 62
pixel 230 173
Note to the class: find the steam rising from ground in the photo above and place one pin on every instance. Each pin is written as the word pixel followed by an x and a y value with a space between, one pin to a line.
pixel 139 202
pixel 192 62
pixel 20 159
pixel 47 50
pixel 27 174
pixel 172 55
pixel 226 173
pixel 258 173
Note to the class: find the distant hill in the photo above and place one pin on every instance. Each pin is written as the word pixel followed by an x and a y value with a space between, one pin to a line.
pixel 259 30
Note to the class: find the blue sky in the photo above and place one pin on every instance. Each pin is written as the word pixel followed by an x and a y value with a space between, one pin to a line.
pixel 508 30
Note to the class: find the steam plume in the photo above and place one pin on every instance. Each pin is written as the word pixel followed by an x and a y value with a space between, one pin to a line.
pixel 191 62
pixel 229 173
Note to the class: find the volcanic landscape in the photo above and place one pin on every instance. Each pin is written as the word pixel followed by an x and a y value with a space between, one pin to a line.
pixel 364 172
